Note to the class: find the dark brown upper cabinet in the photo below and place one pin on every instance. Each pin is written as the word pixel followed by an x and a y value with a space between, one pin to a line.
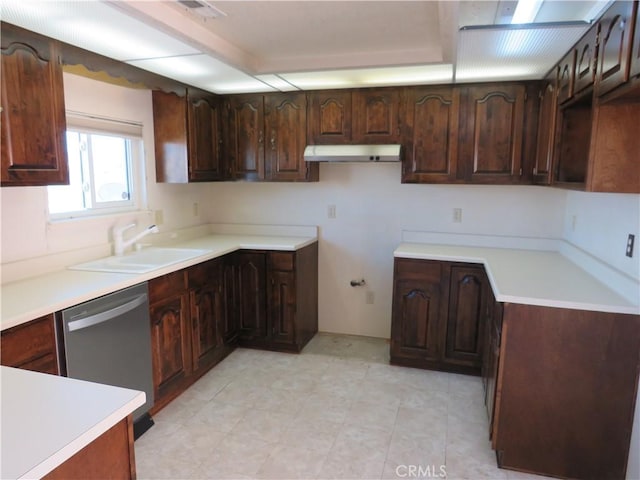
pixel 376 115
pixel 244 136
pixel 430 134
pixel 370 115
pixel 546 131
pixel 187 137
pixel 33 130
pixel 492 128
pixel 285 120
pixel 330 117
pixel 265 137
pixel 586 61
pixel 567 68
pixel 616 38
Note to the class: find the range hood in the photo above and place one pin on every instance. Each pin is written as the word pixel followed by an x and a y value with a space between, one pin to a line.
pixel 352 153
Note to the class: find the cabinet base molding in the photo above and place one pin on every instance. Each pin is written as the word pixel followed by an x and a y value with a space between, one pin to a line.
pixel 435 365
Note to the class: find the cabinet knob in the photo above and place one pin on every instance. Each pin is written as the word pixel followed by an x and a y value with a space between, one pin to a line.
pixel 261 137
pixel 273 141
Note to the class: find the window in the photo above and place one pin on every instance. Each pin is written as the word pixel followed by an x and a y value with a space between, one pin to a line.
pixel 105 167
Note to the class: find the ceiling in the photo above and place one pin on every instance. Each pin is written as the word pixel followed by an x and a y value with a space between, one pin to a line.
pixel 254 46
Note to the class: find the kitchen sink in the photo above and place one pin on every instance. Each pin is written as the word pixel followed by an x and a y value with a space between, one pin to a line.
pixel 142 261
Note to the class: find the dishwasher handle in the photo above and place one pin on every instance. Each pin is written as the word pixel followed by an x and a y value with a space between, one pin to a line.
pixel 107 314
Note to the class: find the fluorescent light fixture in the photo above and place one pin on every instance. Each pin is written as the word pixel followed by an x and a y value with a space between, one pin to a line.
pixel 526 11
pixel 276 82
pixel 368 77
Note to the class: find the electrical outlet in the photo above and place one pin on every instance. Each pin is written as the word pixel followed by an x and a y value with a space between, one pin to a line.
pixel 159 217
pixel 196 209
pixel 369 297
pixel 630 241
pixel 457 215
pixel 331 211
pixel 574 222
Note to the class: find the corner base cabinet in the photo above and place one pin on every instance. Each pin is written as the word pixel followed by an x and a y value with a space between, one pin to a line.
pixel 565 393
pixel 439 312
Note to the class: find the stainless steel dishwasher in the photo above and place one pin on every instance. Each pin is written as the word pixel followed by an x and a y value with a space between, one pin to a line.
pixel 108 340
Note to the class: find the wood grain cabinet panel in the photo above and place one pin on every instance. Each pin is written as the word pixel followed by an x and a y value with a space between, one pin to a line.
pixel 187 137
pixel 244 136
pixel 430 134
pixel 616 38
pixel 376 115
pixel 206 302
pixel 491 141
pixel 466 318
pixel 33 124
pixel 31 346
pixel 265 137
pixel 586 61
pixel 285 120
pixel 439 314
pixel 170 346
pixel 282 306
pixel 330 117
pixel 564 407
pixel 546 132
pixel 566 76
pixel 252 318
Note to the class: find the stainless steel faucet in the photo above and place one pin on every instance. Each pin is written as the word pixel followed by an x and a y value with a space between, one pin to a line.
pixel 120 244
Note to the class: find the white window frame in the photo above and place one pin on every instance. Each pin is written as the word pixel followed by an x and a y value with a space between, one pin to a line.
pixel 92 124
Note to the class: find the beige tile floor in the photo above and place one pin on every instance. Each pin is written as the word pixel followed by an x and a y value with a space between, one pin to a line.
pixel 336 411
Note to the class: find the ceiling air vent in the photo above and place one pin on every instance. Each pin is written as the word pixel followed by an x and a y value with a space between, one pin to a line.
pixel 202 8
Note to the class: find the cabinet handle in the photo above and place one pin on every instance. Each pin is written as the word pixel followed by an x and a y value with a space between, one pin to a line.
pixel 273 140
pixel 261 137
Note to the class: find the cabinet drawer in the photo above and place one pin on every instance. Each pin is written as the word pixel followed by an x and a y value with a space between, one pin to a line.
pixel 161 287
pixel 427 270
pixel 31 346
pixel 281 261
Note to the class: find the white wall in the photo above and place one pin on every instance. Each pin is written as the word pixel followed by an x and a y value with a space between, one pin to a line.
pixel 372 209
pixel 26 231
pixel 602 223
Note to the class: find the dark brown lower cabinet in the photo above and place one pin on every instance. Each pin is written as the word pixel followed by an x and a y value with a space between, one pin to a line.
pixel 31 346
pixel 111 455
pixel 278 298
pixel 438 315
pixel 566 390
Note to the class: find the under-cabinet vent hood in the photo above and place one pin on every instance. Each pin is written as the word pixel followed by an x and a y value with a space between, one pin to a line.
pixel 352 153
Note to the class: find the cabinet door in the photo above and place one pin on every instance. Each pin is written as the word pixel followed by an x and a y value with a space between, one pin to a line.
pixel 285 117
pixel 205 139
pixel 376 114
pixel 31 346
pixel 252 320
pixel 417 298
pixel 466 316
pixel 546 134
pixel 615 45
pixel 566 70
pixel 231 300
pixel 282 306
pixel 33 125
pixel 491 142
pixel 206 318
pixel 586 49
pixel 170 344
pixel 330 117
pixel 244 136
pixel 170 137
pixel 430 134
pixel 634 68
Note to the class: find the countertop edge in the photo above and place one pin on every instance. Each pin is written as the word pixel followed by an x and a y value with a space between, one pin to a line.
pixel 69 450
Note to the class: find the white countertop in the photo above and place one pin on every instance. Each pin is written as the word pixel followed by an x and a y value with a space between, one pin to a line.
pixel 31 298
pixel 532 277
pixel 46 419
